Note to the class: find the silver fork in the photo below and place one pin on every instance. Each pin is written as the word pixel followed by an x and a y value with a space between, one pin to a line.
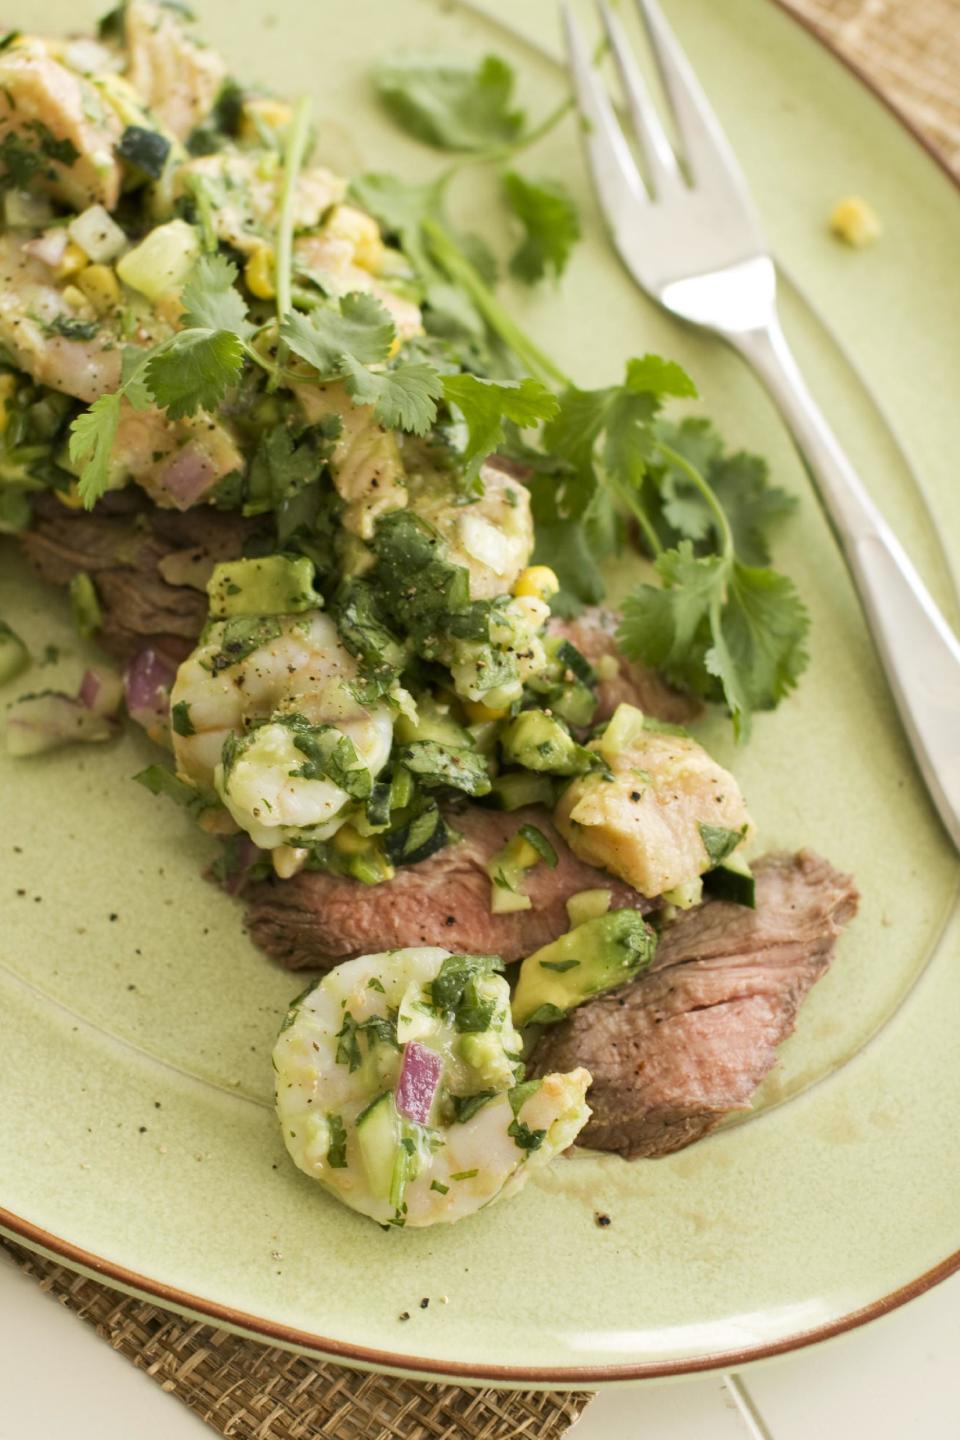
pixel 692 241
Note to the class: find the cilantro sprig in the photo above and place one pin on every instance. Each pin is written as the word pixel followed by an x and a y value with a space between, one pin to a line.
pixel 467 108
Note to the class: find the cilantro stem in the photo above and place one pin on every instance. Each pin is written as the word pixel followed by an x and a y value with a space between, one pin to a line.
pixel 458 268
pixel 639 514
pixel 292 165
pixel 507 152
pixel 693 475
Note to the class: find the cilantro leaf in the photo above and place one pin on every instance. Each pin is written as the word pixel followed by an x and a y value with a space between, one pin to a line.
pixel 401 209
pixel 739 481
pixel 211 300
pixel 451 104
pixel 92 437
pixel 551 224
pixel 668 627
pixel 404 398
pixel 360 328
pixel 651 375
pixel 721 628
pixel 194 370
pixel 765 626
pixel 485 404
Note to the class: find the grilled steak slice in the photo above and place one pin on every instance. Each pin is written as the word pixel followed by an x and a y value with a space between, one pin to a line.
pixel 594 633
pixel 149 566
pixel 677 1050
pixel 316 920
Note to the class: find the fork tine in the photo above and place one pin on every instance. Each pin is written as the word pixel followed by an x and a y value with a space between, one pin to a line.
pixel 614 171
pixel 706 147
pixel 661 161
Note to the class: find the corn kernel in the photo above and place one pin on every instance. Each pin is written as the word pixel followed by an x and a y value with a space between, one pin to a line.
pixel 538 582
pixel 287 860
pixel 478 713
pixel 273 114
pixel 78 302
pixel 362 232
pixel 72 261
pixel 101 287
pixel 855 222
pixel 348 842
pixel 259 273
pixel 70 497
pixel 8 388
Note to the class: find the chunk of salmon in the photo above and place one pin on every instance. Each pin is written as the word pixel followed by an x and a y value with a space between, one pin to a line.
pixel 55 131
pixel 173 74
pixel 30 304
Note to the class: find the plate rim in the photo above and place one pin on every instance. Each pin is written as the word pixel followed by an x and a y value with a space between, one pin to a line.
pixel 361 1357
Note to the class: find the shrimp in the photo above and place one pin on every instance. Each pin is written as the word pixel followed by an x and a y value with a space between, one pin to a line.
pixel 262 714
pixel 400 1088
pixel 491 536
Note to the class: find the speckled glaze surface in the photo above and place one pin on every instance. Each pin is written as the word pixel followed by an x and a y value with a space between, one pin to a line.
pixel 136 1019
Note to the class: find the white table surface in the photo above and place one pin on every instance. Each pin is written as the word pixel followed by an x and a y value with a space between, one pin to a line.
pixel 898 1379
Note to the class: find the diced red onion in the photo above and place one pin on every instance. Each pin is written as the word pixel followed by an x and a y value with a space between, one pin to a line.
pixel 101 690
pixel 146 685
pixel 188 477
pixel 419 1077
pixel 48 247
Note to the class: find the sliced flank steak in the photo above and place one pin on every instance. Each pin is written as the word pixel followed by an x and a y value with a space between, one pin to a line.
pixel 149 566
pixel 689 1042
pixel 316 920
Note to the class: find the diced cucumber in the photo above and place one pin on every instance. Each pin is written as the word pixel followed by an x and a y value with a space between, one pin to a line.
pixel 97 234
pixel 685 896
pixel 14 655
pixel 625 728
pixel 162 261
pixel 432 723
pixel 378 1135
pixel 516 788
pixel 732 880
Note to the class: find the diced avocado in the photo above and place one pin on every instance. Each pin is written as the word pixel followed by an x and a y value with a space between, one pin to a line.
pixel 732 880
pixel 270 585
pixel 539 741
pixel 378 1135
pixel 515 788
pixel 507 868
pixel 162 261
pixel 588 905
pixel 14 655
pixel 433 722
pixel 485 1054
pixel 593 957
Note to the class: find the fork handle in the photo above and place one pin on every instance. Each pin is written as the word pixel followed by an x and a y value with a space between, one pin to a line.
pixel 919 652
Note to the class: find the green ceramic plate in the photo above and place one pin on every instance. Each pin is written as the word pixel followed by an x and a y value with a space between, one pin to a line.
pixel 136 1020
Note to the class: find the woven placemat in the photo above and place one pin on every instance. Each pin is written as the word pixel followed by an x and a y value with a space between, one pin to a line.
pixel 257 1392
pixel 911 50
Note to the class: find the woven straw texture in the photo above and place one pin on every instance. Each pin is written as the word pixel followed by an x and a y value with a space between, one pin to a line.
pixel 911 51
pixel 256 1392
